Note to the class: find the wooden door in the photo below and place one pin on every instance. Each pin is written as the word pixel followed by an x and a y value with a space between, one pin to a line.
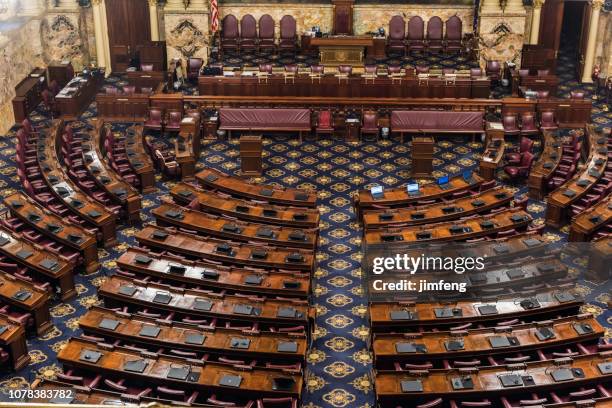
pixel 128 30
pixel 551 22
pixel 584 38
pixel 343 17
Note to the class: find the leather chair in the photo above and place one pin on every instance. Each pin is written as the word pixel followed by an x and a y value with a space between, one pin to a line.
pixel 475 72
pixel 288 36
pixel 248 33
pixel 129 89
pixel 146 90
pixel 111 90
pixel 493 70
pixel 194 65
pixel 547 121
pixel 453 35
pixel 576 94
pixel 528 125
pixel 265 70
pixel 422 69
pixel 325 123
pixel 154 121
pixel 522 170
pixel 543 72
pixel 229 33
pixel 434 34
pixel 291 71
pixel 344 71
pixel 510 125
pixel 370 72
pixel 369 125
pixel 561 176
pixel 48 102
pixel 173 124
pixel 447 71
pixel 266 33
pixel 514 157
pixel 543 94
pixel 416 42
pixel 397 35
pixel 146 67
pixel 316 72
pixel 522 73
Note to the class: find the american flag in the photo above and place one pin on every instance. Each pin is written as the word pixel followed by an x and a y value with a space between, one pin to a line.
pixel 214 13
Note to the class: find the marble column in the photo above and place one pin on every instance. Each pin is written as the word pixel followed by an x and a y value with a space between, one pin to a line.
pixel 99 32
pixel 154 20
pixel 589 58
pixel 175 5
pixel 514 6
pixel 31 7
pixel 490 6
pixel 107 54
pixel 535 21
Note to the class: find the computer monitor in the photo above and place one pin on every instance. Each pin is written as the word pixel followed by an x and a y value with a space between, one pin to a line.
pixel 377 191
pixel 412 188
pixel 443 180
pixel 467 175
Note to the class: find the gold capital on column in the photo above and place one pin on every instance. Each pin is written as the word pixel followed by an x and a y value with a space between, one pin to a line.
pixel 153 3
pixel 597 4
pixel 96 2
pixel 538 3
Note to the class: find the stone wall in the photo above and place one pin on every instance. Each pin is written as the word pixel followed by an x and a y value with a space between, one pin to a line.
pixel 603 48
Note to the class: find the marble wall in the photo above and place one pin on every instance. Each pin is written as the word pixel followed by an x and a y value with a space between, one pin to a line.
pixel 603 48
pixel 186 34
pixel 501 37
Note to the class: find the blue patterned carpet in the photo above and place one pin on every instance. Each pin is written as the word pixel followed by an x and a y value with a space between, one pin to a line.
pixel 339 364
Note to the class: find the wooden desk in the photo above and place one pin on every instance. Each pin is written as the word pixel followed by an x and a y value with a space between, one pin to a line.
pixel 69 234
pixel 256 382
pixel 216 180
pixel 534 83
pixel 221 251
pixel 477 342
pixel 168 214
pixel 140 161
pixel 175 335
pixel 193 303
pixel 61 72
pixel 251 154
pixel 399 197
pixel 585 224
pixel 438 212
pixel 211 202
pixel 486 380
pixel 514 218
pixel 552 302
pixel 13 342
pixel 147 79
pixel 120 191
pixel 186 147
pixel 76 96
pixel 37 304
pixel 422 156
pixel 66 192
pixel 569 113
pixel 28 94
pixel 341 49
pixel 46 265
pixel 123 108
pixel 492 156
pixel 559 201
pixel 546 165
pixel 209 276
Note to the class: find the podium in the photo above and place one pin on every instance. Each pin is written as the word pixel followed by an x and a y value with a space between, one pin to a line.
pixel 251 149
pixel 422 156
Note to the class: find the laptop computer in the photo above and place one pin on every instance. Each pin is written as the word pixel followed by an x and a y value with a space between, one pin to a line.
pixel 377 192
pixel 468 177
pixel 443 183
pixel 413 189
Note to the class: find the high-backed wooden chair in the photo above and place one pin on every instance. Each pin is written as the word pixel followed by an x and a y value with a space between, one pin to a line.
pixel 288 34
pixel 416 42
pixel 397 34
pixel 266 33
pixel 434 34
pixel 229 33
pixel 453 34
pixel 248 33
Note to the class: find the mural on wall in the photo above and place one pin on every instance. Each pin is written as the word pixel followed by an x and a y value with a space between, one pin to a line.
pixel 500 43
pixel 187 38
pixel 62 39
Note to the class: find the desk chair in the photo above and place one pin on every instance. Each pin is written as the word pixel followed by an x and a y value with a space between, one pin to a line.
pixel 344 71
pixel 547 121
pixel 369 124
pixel 522 73
pixel 522 170
pixel 324 123
pixel 528 126
pixel 453 34
pixel 493 70
pixel 397 35
pixel 576 95
pixel 543 94
pixel 514 157
pixel 395 73
pixel 266 33
pixel 510 125
pixel 129 89
pixel 265 70
pixel 146 67
pixel 290 73
pixel 173 123
pixel 316 72
pixel 370 73
pixel 543 72
pixel 154 121
pixel 193 68
pixel 475 73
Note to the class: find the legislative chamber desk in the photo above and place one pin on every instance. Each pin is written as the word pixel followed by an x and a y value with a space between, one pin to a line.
pixel 27 297
pixel 211 202
pixel 585 224
pixel 269 346
pixel 342 49
pixel 13 342
pixel 221 251
pixel 525 338
pixel 490 381
pixel 409 86
pixel 123 107
pixel 46 265
pixel 147 79
pixel 138 158
pixel 391 316
pixel 440 211
pixel 76 96
pixel 119 291
pixel 66 191
pixel 55 227
pixel 120 191
pixel 215 180
pixel 558 202
pixel 169 214
pixel 209 276
pixel 28 94
pixel 399 197
pixel 485 225
pixel 185 156
pixel 493 153
pixel 546 165
pixel 161 370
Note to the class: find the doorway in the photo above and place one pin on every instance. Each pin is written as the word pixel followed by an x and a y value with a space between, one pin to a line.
pixel 128 30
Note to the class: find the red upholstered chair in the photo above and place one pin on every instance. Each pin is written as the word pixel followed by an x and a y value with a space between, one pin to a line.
pixel 543 72
pixel 291 71
pixel 369 124
pixel 447 71
pixel 577 94
pixel 475 72
pixel 316 72
pixel 397 35
pixel 370 70
pixel 229 33
pixel 453 34
pixel 146 67
pixel 543 94
pixel 547 121
pixel 434 34
pixel 154 121
pixel 288 36
pixel 111 90
pixel 48 101
pixel 422 69
pixel 129 89
pixel 561 176
pixel 510 125
pixel 523 73
pixel 522 170
pixel 344 71
pixel 514 157
pixel 173 124
pixel 394 69
pixel 54 87
pixel 193 68
pixel 493 70
pixel 528 126
pixel 416 27
pixel 248 33
pixel 266 33
pixel 324 123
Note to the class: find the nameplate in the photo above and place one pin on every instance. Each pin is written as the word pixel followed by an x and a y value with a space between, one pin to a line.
pixel 411 386
pixel 135 366
pixel 90 356
pixel 149 331
pixel 233 381
pixel 195 338
pixel 287 347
